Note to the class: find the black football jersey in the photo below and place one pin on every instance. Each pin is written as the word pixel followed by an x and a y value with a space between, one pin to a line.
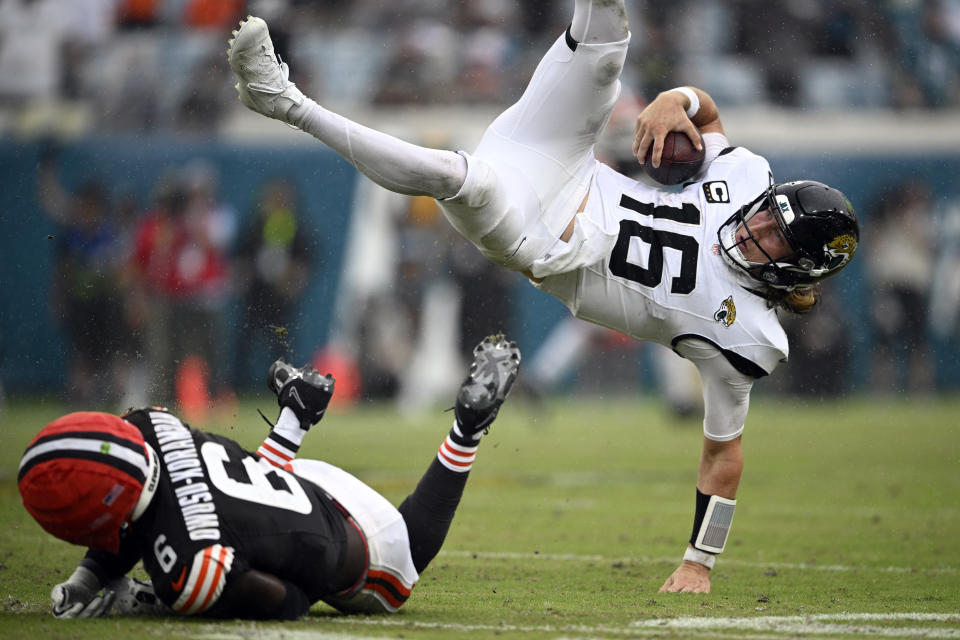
pixel 219 511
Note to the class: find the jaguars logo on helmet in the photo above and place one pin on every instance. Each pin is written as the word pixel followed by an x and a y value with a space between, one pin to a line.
pixel 840 250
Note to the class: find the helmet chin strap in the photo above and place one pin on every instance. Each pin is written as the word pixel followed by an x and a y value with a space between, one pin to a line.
pixel 150 486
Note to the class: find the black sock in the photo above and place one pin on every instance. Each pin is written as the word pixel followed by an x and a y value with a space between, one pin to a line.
pixel 429 510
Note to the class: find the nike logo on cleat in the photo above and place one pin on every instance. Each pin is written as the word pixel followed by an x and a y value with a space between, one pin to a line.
pixel 296 396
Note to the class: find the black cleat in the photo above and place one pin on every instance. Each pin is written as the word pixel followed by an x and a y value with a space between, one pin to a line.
pixel 492 373
pixel 303 390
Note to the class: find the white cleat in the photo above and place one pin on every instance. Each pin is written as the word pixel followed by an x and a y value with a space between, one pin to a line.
pixel 264 80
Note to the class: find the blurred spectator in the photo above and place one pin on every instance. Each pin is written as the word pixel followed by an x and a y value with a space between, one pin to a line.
pixel 573 343
pixel 819 352
pixel 902 240
pixel 144 64
pixel 204 281
pixel 133 14
pixel 422 66
pixel 213 14
pixel 154 273
pixel 485 300
pixel 195 14
pixel 273 265
pixel 384 345
pixel 489 31
pixel 88 298
pixel 438 301
pixel 182 259
pixel 421 239
pixel 128 92
pixel 928 51
pixel 429 301
pixel 205 100
pixel 42 43
pixel 945 305
pixel 763 27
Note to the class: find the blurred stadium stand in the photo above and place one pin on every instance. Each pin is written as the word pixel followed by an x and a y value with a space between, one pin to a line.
pixel 864 94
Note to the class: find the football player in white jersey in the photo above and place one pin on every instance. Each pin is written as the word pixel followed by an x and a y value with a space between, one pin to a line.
pixel 701 269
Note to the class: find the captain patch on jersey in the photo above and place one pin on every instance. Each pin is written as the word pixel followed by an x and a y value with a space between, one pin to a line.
pixel 716 192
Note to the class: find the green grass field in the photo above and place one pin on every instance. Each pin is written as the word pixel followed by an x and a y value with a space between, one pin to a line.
pixel 846 527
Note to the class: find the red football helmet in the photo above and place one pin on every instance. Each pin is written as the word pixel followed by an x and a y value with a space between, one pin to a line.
pixel 87 474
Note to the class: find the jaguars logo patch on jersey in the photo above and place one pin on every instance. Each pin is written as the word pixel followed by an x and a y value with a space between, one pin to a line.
pixel 716 191
pixel 727 313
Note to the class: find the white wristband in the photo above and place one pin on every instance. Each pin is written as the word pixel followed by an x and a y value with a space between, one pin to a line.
pixel 694 107
pixel 700 557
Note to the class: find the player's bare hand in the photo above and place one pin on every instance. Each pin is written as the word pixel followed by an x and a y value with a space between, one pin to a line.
pixel 665 114
pixel 689 577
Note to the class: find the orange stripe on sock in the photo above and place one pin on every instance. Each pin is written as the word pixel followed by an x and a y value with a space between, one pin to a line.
pixel 452 461
pixel 280 455
pixel 450 444
pixel 266 455
pixel 457 455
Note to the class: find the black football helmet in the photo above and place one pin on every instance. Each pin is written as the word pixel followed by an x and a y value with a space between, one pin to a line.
pixel 819 224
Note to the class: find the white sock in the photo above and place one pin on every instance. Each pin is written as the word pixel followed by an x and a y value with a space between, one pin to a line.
pixel 283 443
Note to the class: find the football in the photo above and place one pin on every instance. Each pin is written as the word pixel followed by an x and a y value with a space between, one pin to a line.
pixel 679 161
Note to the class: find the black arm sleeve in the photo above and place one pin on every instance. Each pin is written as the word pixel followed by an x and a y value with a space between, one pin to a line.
pixel 258 595
pixel 110 566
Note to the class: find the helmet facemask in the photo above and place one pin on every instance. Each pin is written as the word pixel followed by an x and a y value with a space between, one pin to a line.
pixel 735 234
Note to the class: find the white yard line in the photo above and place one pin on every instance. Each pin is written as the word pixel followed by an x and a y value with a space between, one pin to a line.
pixel 860 624
pixel 865 624
pixel 869 625
pixel 282 634
pixel 580 632
pixel 576 557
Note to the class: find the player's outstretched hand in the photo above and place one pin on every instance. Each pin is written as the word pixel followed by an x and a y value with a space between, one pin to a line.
pixel 80 597
pixel 665 114
pixel 689 577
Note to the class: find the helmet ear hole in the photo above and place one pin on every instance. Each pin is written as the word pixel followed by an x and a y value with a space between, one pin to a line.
pixel 769 275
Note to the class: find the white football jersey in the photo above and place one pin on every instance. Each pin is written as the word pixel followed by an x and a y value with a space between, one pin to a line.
pixel 665 278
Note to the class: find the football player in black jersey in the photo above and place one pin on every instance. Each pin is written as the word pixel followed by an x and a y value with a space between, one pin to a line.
pixel 223 532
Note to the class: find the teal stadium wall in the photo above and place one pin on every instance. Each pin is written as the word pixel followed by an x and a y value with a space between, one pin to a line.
pixel 33 352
